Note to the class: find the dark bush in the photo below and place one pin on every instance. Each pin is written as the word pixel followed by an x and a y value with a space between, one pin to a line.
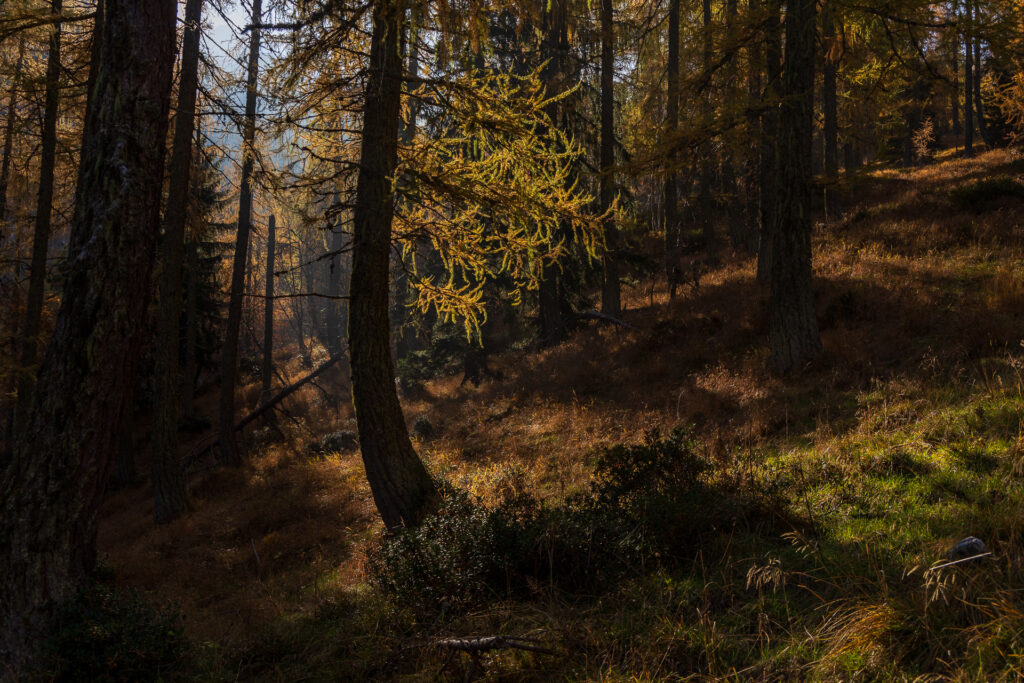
pixel 979 193
pixel 646 503
pixel 103 635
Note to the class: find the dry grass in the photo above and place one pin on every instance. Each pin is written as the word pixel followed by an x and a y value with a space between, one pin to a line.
pixel 913 292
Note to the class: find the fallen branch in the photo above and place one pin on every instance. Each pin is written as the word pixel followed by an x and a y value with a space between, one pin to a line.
pixel 485 643
pixel 211 442
pixel 604 317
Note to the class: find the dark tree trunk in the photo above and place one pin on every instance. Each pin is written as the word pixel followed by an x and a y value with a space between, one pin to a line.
pixel 755 65
pixel 191 329
pixel 978 105
pixel 611 294
pixel 955 63
pixel 706 211
pixel 52 489
pixel 169 498
pixel 268 312
pixel 792 327
pixel 41 234
pixel 769 136
pixel 12 118
pixel 830 111
pixel 402 488
pixel 229 451
pixel 733 207
pixel 553 325
pixel 968 81
pixel 336 308
pixel 672 225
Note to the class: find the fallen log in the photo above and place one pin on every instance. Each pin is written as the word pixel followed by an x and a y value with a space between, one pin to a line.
pixel 485 643
pixel 212 441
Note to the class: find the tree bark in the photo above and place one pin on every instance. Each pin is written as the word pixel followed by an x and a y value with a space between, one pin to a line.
pixel 169 497
pixel 830 110
pixel 769 136
pixel 968 81
pixel 978 105
pixel 706 212
pixel 672 226
pixel 12 118
pixel 229 452
pixel 730 187
pixel 611 294
pixel 268 312
pixel 41 234
pixel 51 491
pixel 402 488
pixel 792 327
pixel 752 232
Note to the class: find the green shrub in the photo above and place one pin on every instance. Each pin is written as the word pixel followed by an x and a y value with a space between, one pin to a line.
pixel 646 503
pixel 103 635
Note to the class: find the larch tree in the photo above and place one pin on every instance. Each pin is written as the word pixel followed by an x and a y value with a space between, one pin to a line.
pixel 229 452
pixel 52 489
pixel 792 327
pixel 169 498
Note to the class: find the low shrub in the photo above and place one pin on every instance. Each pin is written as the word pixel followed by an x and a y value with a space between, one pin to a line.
pixel 981 192
pixel 646 503
pixel 105 635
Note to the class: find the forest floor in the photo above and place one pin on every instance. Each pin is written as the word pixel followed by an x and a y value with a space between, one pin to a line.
pixel 867 467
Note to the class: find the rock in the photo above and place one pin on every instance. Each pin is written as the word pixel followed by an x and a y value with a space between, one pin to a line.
pixel 335 442
pixel 968 547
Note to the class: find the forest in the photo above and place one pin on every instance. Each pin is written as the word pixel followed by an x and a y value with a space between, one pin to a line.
pixel 486 340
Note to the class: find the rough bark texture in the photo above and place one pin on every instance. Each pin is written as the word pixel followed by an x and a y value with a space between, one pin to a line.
pixel 672 225
pixel 830 110
pixel 968 81
pixel 755 59
pixel 229 453
pixel 706 212
pixel 792 327
pixel 169 499
pixel 41 233
pixel 402 488
pixel 730 187
pixel 52 489
pixel 611 295
pixel 268 312
pixel 769 136
pixel 12 119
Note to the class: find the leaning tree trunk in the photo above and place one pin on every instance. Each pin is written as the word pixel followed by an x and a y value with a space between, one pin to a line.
pixel 169 498
pixel 830 110
pixel 402 488
pixel 268 312
pixel 611 295
pixel 229 453
pixel 792 327
pixel 41 235
pixel 672 226
pixel 52 489
pixel 769 136
pixel 12 118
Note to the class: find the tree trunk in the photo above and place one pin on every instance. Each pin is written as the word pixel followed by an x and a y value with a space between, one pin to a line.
pixel 968 81
pixel 706 213
pixel 402 488
pixel 268 313
pixel 12 118
pixel 752 236
pixel 733 207
pixel 830 110
pixel 769 136
pixel 169 498
pixel 41 235
pixel 52 489
pixel 979 107
pixel 611 295
pixel 792 327
pixel 191 329
pixel 955 94
pixel 229 452
pixel 672 225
